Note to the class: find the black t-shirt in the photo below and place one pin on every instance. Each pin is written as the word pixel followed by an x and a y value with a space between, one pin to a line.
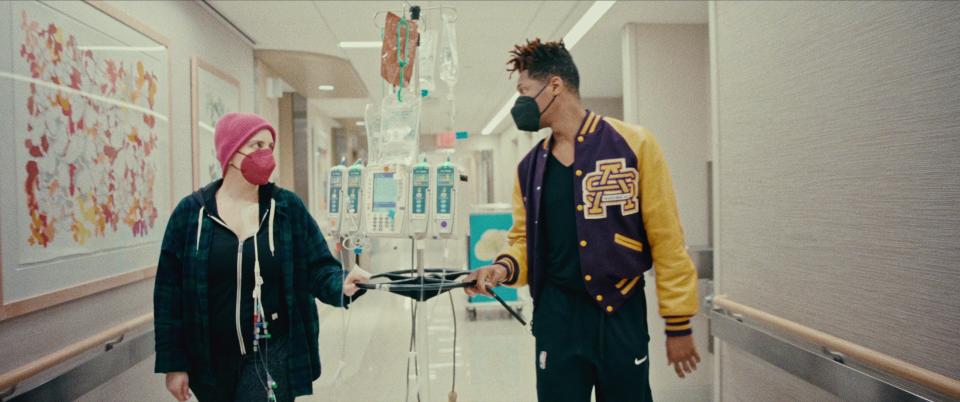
pixel 223 278
pixel 559 227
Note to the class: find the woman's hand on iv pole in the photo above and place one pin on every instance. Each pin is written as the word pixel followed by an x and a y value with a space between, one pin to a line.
pixel 178 383
pixel 487 278
pixel 355 276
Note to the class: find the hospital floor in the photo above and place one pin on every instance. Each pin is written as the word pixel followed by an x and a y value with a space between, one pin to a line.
pixel 495 354
pixel 495 357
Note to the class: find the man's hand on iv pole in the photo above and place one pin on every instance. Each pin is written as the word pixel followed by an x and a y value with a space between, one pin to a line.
pixel 355 276
pixel 487 278
pixel 682 354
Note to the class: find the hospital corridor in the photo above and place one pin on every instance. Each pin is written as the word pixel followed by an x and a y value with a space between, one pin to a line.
pixel 479 201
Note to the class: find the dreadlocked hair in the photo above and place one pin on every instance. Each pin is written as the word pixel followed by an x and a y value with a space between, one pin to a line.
pixel 543 59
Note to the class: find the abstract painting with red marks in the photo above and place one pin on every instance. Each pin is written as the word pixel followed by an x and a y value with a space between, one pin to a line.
pixel 92 137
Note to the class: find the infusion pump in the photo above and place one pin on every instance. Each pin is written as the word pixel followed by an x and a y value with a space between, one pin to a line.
pixel 335 197
pixel 353 212
pixel 445 208
pixel 403 201
pixel 420 190
pixel 385 203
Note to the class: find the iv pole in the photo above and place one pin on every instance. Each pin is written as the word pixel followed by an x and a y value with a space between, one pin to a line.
pixel 421 352
pixel 420 316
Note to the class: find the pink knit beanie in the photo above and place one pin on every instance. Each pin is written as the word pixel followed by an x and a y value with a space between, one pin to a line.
pixel 233 130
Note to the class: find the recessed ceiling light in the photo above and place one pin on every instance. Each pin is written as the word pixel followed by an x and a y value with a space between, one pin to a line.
pixel 586 22
pixel 360 123
pixel 361 45
pixel 325 87
pixel 501 114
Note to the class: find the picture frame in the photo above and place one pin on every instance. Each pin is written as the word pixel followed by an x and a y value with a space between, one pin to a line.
pixel 213 94
pixel 120 219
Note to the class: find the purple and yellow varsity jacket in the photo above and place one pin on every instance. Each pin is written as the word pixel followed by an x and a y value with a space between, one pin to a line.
pixel 627 222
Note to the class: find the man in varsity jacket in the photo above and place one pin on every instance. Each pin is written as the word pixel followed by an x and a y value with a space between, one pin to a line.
pixel 593 209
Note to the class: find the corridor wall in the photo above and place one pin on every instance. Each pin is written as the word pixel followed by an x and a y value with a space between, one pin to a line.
pixel 838 149
pixel 666 90
pixel 611 106
pixel 191 31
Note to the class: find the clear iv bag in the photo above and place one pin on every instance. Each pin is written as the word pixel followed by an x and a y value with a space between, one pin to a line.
pixel 428 60
pixel 371 120
pixel 449 61
pixel 399 134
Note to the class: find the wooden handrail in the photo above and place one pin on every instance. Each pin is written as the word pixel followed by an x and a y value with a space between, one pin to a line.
pixel 935 381
pixel 18 375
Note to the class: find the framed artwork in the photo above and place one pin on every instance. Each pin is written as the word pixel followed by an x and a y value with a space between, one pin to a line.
pixel 214 93
pixel 87 174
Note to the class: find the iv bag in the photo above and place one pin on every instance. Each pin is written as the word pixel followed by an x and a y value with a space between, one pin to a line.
pixel 399 130
pixel 449 61
pixel 371 119
pixel 428 60
pixel 407 42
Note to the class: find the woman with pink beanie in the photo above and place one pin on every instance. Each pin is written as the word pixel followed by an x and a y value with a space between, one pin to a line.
pixel 240 265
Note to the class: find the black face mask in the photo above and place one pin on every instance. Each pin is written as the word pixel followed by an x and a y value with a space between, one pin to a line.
pixel 526 114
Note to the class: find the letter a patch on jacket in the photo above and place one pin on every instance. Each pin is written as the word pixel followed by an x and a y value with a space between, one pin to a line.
pixel 612 184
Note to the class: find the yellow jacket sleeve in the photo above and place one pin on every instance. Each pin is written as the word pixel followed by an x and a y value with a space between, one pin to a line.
pixel 514 256
pixel 676 276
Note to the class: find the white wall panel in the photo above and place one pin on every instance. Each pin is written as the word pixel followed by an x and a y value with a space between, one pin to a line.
pixel 839 180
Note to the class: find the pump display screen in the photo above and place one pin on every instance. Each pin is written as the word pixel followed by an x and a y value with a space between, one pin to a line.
pixel 421 177
pixel 384 192
pixel 445 177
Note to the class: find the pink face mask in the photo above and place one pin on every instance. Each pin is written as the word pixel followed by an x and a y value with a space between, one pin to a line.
pixel 257 166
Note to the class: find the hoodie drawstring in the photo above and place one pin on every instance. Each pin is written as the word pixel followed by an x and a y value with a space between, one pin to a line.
pixel 199 227
pixel 273 206
pixel 258 280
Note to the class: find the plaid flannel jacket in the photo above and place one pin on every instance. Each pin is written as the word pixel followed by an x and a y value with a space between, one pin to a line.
pixel 180 294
